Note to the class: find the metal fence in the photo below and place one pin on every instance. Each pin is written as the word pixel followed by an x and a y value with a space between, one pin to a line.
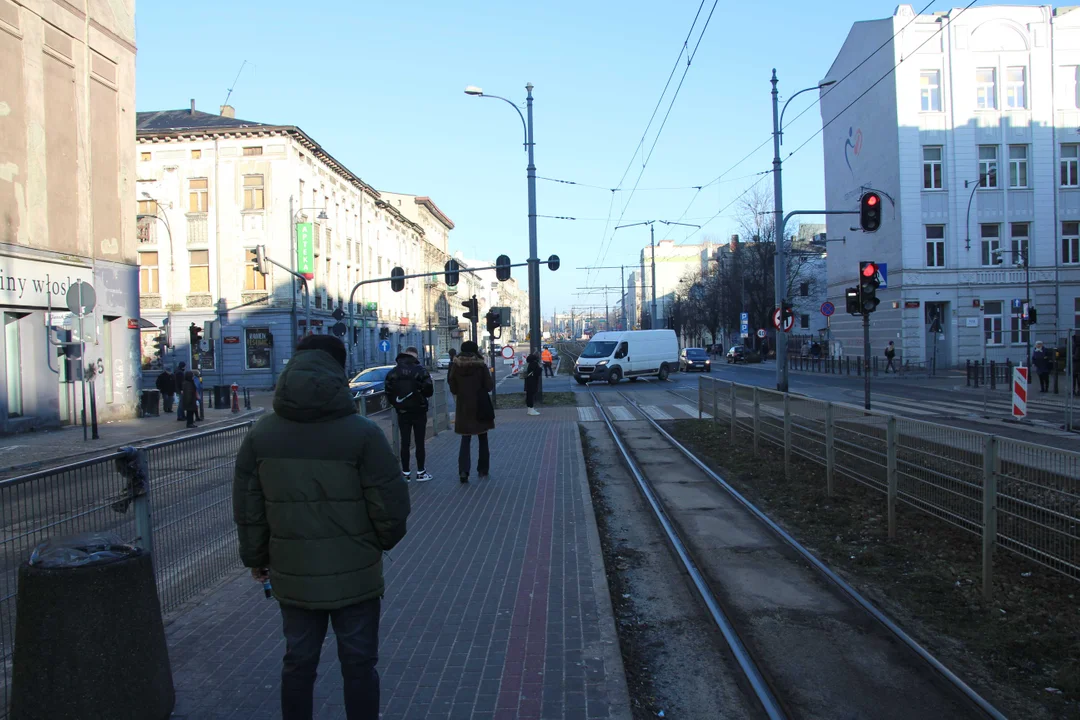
pixel 1019 496
pixel 856 365
pixel 172 497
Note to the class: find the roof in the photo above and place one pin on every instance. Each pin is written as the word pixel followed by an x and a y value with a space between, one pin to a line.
pixel 188 120
pixel 434 210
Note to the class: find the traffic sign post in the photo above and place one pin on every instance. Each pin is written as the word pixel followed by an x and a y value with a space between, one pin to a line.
pixel 827 309
pixel 384 347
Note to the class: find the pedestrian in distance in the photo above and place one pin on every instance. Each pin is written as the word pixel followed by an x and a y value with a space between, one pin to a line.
pixel 189 398
pixel 1042 361
pixel 198 394
pixel 532 382
pixel 317 499
pixel 547 359
pixel 890 355
pixel 166 385
pixel 408 387
pixel 471 382
pixel 178 382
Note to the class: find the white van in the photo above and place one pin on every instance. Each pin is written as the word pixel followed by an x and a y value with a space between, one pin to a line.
pixel 613 356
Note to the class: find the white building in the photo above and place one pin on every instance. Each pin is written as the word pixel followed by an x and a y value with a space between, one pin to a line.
pixel 982 112
pixel 673 262
pixel 212 187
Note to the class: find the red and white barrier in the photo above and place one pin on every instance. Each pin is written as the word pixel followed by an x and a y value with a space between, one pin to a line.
pixel 1020 392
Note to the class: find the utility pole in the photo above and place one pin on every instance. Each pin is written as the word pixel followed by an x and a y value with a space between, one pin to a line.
pixel 652 248
pixel 622 284
pixel 780 268
pixel 866 359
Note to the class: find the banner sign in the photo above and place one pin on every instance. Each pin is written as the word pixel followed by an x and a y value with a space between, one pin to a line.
pixel 305 250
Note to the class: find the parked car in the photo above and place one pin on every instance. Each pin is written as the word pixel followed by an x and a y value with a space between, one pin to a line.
pixel 443 363
pixel 741 353
pixel 694 359
pixel 631 354
pixel 370 381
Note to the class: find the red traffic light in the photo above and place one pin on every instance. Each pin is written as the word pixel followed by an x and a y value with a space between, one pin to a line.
pixel 869 270
pixel 872 200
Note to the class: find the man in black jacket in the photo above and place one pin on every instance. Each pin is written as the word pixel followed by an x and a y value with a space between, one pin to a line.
pixel 408 387
pixel 166 385
pixel 178 383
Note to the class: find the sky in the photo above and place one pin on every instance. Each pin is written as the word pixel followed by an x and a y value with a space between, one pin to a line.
pixel 381 86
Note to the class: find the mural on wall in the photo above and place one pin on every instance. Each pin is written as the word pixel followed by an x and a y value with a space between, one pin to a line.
pixel 852 148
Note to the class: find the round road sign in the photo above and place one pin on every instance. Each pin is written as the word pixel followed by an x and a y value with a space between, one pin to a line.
pixel 787 325
pixel 761 333
pixel 384 346
pixel 827 308
pixel 81 297
pixel 508 352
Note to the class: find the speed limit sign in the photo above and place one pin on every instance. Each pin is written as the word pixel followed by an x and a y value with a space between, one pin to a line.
pixel 761 333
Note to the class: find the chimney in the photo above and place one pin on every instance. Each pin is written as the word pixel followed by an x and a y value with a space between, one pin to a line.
pixel 228 111
pixel 734 244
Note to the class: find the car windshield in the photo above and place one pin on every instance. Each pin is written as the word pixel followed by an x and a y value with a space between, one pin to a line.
pixel 598 349
pixel 372 375
pixel 696 353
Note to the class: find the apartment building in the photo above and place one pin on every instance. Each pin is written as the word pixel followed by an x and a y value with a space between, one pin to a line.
pixel 974 142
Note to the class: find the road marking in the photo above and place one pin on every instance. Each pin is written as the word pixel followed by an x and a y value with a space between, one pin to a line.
pixel 587 414
pixel 621 412
pixel 693 411
pixel 656 413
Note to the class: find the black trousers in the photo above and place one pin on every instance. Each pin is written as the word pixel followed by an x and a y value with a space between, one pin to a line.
pixel 1044 381
pixel 464 462
pixel 357 630
pixel 190 417
pixel 530 394
pixel 548 371
pixel 166 402
pixel 413 425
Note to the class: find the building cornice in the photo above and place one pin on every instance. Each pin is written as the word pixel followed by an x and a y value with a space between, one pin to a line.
pixel 434 210
pixel 399 216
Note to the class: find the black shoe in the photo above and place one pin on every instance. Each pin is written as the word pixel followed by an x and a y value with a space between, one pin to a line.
pixel 483 474
pixel 464 477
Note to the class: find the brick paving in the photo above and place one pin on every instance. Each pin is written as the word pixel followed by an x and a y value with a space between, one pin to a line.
pixel 496 603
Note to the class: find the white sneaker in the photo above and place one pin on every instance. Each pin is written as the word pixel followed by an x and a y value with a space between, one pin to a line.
pixel 406 475
pixel 423 476
pixel 533 411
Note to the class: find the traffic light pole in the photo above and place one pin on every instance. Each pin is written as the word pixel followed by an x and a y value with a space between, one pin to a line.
pixel 307 291
pixel 866 360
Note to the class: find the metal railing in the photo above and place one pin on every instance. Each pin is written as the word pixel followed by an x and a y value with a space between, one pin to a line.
pixel 1019 496
pixel 187 482
pixel 855 365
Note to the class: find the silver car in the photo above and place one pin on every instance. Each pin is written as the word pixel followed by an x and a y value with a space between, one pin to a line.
pixel 443 363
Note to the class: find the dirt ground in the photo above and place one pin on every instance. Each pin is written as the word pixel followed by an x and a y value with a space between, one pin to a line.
pixel 1021 651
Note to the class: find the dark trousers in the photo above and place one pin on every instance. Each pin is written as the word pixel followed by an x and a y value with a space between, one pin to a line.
pixel 483 462
pixel 357 631
pixel 166 402
pixel 180 408
pixel 530 394
pixel 1044 381
pixel 190 418
pixel 413 424
pixel 548 371
pixel 1076 377
pixel 889 364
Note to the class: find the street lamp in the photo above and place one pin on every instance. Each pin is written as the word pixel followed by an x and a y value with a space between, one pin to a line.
pixel 530 173
pixel 1022 252
pixel 978 184
pixel 780 267
pixel 652 246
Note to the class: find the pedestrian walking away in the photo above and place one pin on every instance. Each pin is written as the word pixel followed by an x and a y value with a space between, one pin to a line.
pixel 178 383
pixel 1043 363
pixel 166 385
pixel 189 398
pixel 471 382
pixel 890 355
pixel 532 382
pixel 198 394
pixel 408 387
pixel 317 499
pixel 547 359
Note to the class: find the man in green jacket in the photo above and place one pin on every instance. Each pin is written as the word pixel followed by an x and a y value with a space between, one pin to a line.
pixel 318 498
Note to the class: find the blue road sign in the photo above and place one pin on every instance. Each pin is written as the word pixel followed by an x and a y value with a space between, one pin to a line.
pixel 827 308
pixel 744 323
pixel 883 271
pixel 384 346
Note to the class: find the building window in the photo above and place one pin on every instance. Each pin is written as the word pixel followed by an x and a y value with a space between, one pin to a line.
pixel 930 90
pixel 931 168
pixel 804 321
pixel 253 192
pixel 199 271
pixel 1070 242
pixel 148 273
pixel 935 246
pixel 804 289
pixel 13 353
pixel 986 89
pixel 1019 232
pixel 1018 166
pixel 198 197
pixel 1016 88
pixel 1069 157
pixel 991 243
pixel 992 322
pixel 988 166
pixel 253 280
pixel 196 154
pixel 144 156
pixel 249 151
pixel 1018 334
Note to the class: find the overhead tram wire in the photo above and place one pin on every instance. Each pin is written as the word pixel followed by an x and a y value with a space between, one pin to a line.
pixel 724 209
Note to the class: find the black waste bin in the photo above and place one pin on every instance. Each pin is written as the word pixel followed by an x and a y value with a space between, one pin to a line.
pixel 151 400
pixel 90 643
pixel 221 397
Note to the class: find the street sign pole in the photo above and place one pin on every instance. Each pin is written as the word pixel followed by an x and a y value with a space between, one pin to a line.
pixel 866 359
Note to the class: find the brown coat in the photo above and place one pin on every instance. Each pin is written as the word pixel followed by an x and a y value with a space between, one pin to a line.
pixel 469 375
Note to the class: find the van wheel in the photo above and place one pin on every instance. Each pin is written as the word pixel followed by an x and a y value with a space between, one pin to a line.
pixel 663 374
pixel 615 377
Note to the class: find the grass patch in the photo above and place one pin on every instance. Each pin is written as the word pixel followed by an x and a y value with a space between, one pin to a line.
pixel 1025 644
pixel 511 400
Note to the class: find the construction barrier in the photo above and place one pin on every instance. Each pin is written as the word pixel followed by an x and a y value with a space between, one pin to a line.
pixel 1020 392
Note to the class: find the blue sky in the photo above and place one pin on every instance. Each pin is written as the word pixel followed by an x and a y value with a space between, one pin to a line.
pixel 380 85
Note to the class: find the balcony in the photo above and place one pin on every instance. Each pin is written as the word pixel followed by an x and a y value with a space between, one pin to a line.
pixel 197 229
pixel 146 231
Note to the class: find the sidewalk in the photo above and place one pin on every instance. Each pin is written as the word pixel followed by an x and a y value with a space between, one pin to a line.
pixel 496 605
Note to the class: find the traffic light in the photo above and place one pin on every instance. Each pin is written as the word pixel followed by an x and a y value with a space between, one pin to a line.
pixel 494 321
pixel 473 309
pixel 384 333
pixel 502 267
pixel 870 212
pixel 553 263
pixel 452 269
pixel 869 280
pixel 397 279
pixel 853 301
pixel 195 332
pixel 159 346
pixel 257 257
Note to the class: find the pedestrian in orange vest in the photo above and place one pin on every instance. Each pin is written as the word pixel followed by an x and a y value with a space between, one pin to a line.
pixel 546 359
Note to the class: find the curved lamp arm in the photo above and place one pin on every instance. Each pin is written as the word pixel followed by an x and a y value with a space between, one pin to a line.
pixel 825 84
pixel 511 103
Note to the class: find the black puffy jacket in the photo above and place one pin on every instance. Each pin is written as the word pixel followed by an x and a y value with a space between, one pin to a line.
pixel 408 386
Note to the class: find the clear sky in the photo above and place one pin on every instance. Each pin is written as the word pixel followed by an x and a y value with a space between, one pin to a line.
pixel 380 85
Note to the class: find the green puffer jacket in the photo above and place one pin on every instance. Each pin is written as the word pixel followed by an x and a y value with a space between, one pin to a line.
pixel 318 494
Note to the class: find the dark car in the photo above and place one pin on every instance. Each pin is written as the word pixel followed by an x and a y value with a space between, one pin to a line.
pixel 741 353
pixel 369 382
pixel 694 359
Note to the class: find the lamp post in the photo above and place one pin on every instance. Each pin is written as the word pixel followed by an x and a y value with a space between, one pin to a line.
pixel 1022 252
pixel 307 310
pixel 780 267
pixel 164 221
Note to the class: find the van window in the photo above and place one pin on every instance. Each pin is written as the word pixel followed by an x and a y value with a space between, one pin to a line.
pixel 598 349
pixel 622 351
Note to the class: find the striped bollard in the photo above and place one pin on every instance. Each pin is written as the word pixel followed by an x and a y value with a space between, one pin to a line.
pixel 1020 392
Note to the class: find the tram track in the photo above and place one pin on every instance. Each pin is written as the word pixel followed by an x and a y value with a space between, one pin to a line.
pixel 807 644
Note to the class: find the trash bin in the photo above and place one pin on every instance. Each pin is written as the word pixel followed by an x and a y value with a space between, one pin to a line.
pixel 89 639
pixel 151 400
pixel 221 397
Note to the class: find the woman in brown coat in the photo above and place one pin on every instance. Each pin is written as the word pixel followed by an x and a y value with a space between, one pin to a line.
pixel 189 397
pixel 470 381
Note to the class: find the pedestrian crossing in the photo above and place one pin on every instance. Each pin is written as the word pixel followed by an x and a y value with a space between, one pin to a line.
pixel 623 413
pixel 620 412
pixel 693 411
pixel 995 406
